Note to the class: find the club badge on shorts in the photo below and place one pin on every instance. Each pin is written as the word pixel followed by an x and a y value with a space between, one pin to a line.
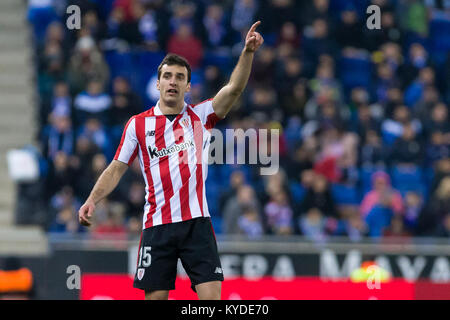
pixel 140 273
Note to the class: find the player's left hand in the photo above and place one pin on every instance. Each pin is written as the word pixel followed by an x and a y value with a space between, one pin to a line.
pixel 253 40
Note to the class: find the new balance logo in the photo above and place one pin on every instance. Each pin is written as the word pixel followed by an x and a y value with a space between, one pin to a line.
pixel 218 270
pixel 150 133
pixel 155 153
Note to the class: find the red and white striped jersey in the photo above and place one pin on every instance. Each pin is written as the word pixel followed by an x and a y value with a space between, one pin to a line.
pixel 173 156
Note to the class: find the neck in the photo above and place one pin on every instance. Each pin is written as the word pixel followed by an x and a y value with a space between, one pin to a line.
pixel 171 108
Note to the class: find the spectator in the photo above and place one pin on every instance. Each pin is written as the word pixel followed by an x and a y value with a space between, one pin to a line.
pixel 95 27
pixel 417 60
pixel 94 131
pixel 245 197
pixel 150 26
pixel 393 128
pixel 250 223
pixel 213 80
pixel 264 67
pixel 429 99
pixel 61 101
pixel 125 103
pixel 352 227
pixel 294 102
pixel 313 225
pixel 415 90
pixel 413 206
pixel 350 29
pixel 242 14
pixel 113 224
pixel 87 64
pixel 58 136
pixel 214 26
pixel 435 214
pixel 438 121
pixel 92 103
pixel 320 9
pixel 438 148
pixel 319 196
pixel 443 229
pixel 279 215
pixel 66 222
pixel 379 205
pixel 237 179
pixel 397 229
pixel 406 150
pixel 186 44
pixel 317 41
pixel 372 153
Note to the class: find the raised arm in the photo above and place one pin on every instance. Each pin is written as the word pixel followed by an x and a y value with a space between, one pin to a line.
pixel 105 184
pixel 227 96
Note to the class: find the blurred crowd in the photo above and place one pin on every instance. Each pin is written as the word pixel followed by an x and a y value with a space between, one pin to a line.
pixel 363 113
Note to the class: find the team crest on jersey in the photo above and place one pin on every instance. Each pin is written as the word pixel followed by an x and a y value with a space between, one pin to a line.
pixel 185 123
pixel 140 273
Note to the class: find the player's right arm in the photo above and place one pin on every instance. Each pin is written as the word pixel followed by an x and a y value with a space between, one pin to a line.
pixel 108 180
pixel 105 184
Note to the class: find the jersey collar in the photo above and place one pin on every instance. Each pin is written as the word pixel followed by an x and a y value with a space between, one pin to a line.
pixel 158 111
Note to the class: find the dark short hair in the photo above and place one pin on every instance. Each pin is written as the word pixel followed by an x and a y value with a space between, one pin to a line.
pixel 174 59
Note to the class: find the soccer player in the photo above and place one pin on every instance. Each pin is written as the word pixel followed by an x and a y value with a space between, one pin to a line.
pixel 171 141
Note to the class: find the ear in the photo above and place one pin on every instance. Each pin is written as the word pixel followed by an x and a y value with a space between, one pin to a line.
pixel 157 85
pixel 188 87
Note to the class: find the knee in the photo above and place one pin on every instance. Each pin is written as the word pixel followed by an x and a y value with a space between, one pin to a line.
pixel 209 290
pixel 157 295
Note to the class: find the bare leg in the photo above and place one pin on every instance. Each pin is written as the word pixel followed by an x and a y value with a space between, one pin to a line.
pixel 157 295
pixel 209 290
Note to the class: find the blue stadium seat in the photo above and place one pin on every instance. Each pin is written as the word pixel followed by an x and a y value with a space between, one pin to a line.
pixel 217 224
pixel 344 194
pixel 145 65
pixel 227 170
pixel 120 64
pixel 365 175
pixel 440 34
pixel 421 189
pixel 213 190
pixel 298 192
pixel 406 176
pixel 223 61
pixel 355 72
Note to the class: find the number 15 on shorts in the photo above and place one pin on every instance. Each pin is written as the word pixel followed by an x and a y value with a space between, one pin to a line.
pixel 145 259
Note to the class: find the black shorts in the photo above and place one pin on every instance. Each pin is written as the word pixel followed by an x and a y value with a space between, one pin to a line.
pixel 193 241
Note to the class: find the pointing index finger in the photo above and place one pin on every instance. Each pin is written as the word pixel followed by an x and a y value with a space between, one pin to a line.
pixel 254 26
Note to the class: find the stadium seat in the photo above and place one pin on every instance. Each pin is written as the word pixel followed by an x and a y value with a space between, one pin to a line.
pixel 223 61
pixel 227 170
pixel 145 64
pixel 217 224
pixel 120 64
pixel 298 192
pixel 365 181
pixel 355 72
pixel 344 194
pixel 213 190
pixel 404 176
pixel 440 34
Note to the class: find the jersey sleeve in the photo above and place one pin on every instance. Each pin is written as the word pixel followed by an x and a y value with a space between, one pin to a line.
pixel 128 147
pixel 204 110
